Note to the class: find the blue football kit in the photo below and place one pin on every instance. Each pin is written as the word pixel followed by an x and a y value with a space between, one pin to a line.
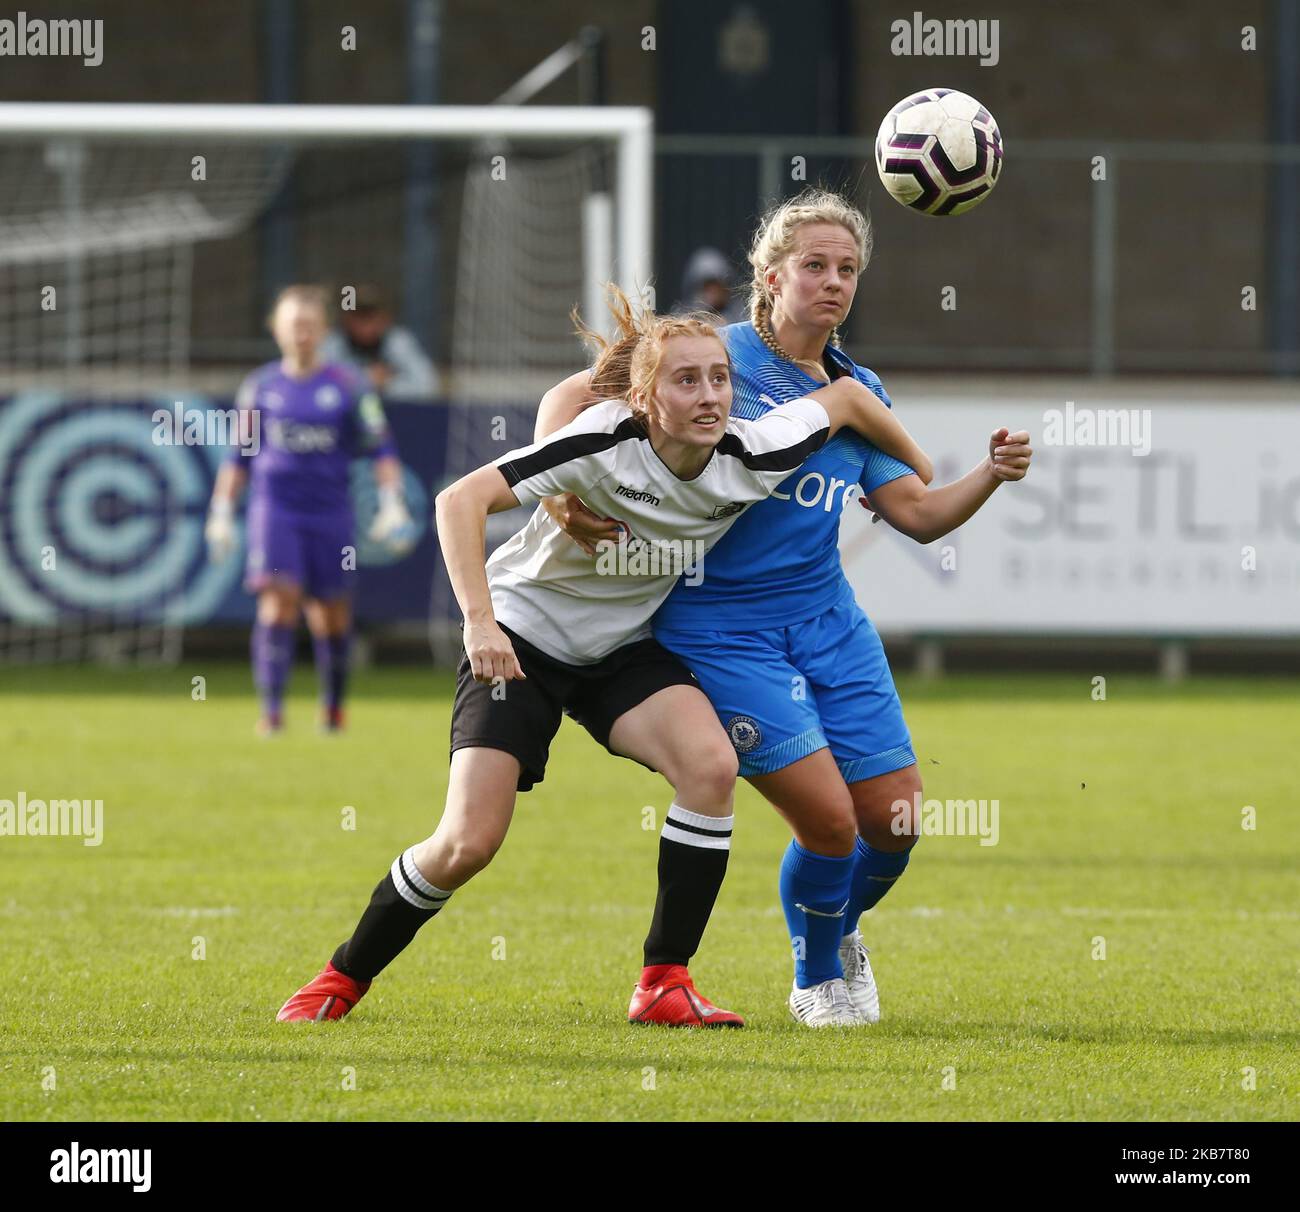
pixel 791 663
pixel 771 628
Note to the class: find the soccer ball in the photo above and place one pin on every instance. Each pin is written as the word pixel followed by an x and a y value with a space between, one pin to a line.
pixel 939 152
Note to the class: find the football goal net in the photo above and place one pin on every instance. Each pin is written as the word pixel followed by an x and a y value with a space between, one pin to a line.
pixel 139 245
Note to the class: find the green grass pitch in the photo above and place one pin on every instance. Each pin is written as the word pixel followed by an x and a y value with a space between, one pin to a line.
pixel 1119 820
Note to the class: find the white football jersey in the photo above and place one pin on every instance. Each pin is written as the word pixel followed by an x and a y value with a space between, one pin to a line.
pixel 579 608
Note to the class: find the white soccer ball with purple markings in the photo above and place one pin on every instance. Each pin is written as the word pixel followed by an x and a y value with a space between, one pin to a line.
pixel 939 152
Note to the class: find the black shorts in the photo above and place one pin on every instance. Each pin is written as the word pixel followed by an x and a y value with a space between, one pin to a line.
pixel 524 716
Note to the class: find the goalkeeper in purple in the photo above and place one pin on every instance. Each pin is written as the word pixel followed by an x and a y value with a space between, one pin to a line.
pixel 772 631
pixel 301 422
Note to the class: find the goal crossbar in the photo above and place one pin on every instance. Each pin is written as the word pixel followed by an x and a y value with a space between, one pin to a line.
pixel 629 128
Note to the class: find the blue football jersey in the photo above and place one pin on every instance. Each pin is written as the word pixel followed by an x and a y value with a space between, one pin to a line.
pixel 780 562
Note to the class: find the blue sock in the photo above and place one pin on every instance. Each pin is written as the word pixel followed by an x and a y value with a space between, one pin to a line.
pixel 874 873
pixel 814 892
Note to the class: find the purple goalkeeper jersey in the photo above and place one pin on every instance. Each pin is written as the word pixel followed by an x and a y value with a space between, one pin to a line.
pixel 305 433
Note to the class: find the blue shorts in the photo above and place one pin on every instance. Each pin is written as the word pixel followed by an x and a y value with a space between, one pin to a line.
pixel 785 692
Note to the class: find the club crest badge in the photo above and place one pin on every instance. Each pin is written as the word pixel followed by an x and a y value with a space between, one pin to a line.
pixel 745 733
pixel 328 396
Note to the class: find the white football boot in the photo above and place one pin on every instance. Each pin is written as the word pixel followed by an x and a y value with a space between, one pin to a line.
pixel 824 1005
pixel 858 978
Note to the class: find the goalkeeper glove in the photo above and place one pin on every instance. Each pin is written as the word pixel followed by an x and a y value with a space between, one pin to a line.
pixel 220 531
pixel 393 525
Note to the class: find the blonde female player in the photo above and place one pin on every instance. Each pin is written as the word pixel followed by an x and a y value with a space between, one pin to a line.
pixel 301 423
pixel 773 633
pixel 558 632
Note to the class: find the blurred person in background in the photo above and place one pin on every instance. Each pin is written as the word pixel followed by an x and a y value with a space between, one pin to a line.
pixel 708 285
pixel 388 354
pixel 302 419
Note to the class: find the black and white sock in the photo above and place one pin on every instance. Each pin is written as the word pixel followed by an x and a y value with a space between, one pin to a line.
pixel 693 851
pixel 400 904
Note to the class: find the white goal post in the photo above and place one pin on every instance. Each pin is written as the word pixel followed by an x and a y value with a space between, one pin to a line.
pixel 100 201
pixel 628 128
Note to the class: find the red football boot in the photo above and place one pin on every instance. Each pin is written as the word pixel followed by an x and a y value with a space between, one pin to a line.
pixel 331 720
pixel 329 996
pixel 673 1001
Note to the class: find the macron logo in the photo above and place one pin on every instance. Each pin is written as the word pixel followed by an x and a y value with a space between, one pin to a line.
pixel 78 1165
pixel 634 494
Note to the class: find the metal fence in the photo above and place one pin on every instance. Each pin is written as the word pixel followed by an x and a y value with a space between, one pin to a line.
pixel 1093 257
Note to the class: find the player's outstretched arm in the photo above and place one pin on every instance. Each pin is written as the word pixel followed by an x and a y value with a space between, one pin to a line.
pixel 926 514
pixel 849 403
pixel 559 406
pixel 461 512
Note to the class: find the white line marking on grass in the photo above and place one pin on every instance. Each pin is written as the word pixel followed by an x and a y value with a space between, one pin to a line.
pixel 191 911
pixel 14 909
pixel 1264 915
